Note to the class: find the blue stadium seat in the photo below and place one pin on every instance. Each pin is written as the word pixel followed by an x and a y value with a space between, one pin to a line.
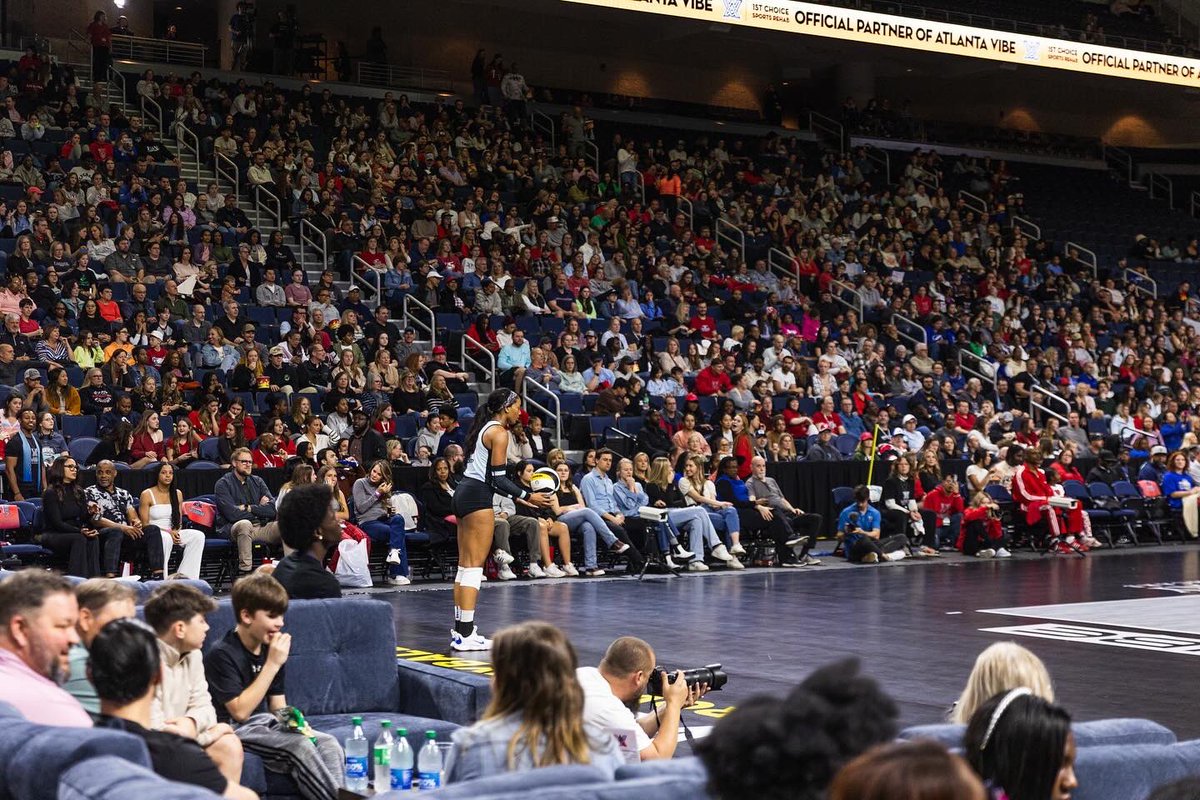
pixel 82 447
pixel 75 427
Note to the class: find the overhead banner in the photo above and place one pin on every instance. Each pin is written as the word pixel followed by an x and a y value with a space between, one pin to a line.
pixel 847 24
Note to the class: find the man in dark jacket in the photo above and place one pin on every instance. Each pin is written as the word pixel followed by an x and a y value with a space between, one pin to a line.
pixel 652 439
pixel 245 509
pixel 822 449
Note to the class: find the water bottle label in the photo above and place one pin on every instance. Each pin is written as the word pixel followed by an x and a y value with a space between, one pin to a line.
pixel 382 756
pixel 402 778
pixel 356 767
pixel 430 780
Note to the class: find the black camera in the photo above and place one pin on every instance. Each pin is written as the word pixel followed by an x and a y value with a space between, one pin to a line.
pixel 713 675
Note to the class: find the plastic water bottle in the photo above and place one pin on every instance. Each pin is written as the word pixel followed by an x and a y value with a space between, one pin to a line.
pixel 382 757
pixel 429 763
pixel 358 758
pixel 401 762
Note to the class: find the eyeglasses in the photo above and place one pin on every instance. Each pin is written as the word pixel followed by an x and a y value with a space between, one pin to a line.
pixel 70 466
pixel 244 461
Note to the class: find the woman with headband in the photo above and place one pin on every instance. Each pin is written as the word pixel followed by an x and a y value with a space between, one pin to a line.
pixel 1022 747
pixel 486 474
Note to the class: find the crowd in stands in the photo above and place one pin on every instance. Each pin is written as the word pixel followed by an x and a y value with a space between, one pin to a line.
pixel 904 323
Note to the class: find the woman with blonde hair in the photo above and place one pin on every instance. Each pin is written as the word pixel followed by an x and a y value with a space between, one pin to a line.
pixel 535 718
pixel 999 668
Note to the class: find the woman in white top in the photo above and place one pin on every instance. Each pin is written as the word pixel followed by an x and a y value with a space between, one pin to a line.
pixel 698 490
pixel 160 506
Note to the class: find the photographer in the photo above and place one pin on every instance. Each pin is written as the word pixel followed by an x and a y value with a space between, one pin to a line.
pixel 612 691
pixel 859 525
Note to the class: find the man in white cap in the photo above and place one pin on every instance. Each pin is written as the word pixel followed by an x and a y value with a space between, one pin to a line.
pixel 1155 466
pixel 912 437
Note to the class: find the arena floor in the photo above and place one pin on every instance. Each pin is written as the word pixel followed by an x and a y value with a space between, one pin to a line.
pixel 1116 629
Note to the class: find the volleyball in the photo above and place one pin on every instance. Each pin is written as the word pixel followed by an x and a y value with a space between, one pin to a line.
pixel 544 480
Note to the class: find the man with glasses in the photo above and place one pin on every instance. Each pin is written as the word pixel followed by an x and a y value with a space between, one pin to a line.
pixel 245 509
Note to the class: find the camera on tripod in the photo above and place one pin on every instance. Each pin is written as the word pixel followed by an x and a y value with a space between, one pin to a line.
pixel 713 674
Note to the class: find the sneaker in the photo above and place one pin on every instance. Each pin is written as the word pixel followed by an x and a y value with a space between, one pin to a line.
pixel 697 566
pixel 593 573
pixel 671 563
pixel 895 555
pixel 809 561
pixel 1002 553
pixel 476 641
pixel 535 570
pixel 1064 548
pixel 569 569
pixel 734 564
pixel 505 573
pixel 552 571
pixel 738 550
pixel 1093 542
pixel 680 554
pixel 502 557
pixel 721 554
pixel 870 558
pixel 393 556
pixel 790 563
pixel 619 547
pixel 928 552
pixel 797 539
pixel 986 552
pixel 399 580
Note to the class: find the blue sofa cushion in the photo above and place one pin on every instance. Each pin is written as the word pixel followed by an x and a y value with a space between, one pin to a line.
pixel 144 590
pixel 1126 772
pixel 535 780
pixel 1096 733
pixel 657 788
pixel 343 657
pixel 33 757
pixel 686 768
pixel 441 693
pixel 112 778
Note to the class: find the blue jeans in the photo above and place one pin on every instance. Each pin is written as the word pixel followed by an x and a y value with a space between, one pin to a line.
pixel 590 525
pixel 725 520
pixel 700 528
pixel 390 530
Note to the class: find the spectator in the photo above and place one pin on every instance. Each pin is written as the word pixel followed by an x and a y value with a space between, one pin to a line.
pixel 302 572
pixel 245 508
pixel 38 615
pixel 1022 744
pixel 100 601
pixel 920 770
pixel 823 449
pixel 160 507
pixel 69 526
pixel 372 502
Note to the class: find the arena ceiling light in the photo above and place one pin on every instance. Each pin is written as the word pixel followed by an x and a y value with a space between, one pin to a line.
pixel 852 25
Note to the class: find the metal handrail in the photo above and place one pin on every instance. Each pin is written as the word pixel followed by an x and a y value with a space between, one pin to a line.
pixel 556 413
pixel 467 358
pixel 431 328
pixel 263 199
pixel 922 175
pixel 884 158
pixel 783 263
pixel 900 319
pixel 819 123
pixel 370 278
pixel 685 206
pixel 736 239
pixel 1160 186
pixel 1050 395
pixel 115 78
pixel 386 75
pixel 228 173
pixel 1026 226
pixel 590 147
pixel 182 135
pixel 837 288
pixel 1115 156
pixel 1194 203
pixel 1093 262
pixel 975 368
pixel 641 184
pixel 1139 281
pixel 152 112
pixel 322 249
pixel 159 51
pixel 541 121
pixel 973 202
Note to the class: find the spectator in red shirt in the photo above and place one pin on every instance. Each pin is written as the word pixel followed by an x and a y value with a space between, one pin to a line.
pixel 827 418
pixel 942 511
pixel 101 149
pixel 713 379
pixel 268 454
pixel 964 420
pixel 702 323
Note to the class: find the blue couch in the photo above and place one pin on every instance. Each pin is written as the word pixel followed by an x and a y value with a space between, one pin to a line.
pixel 1097 733
pixel 143 589
pixel 112 778
pixel 441 693
pixel 342 663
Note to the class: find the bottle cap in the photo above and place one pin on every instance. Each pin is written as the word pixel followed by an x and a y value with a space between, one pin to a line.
pixel 356 720
pixel 431 735
pixel 402 731
pixel 386 723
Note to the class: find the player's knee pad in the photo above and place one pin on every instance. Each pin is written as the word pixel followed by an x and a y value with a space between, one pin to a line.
pixel 470 577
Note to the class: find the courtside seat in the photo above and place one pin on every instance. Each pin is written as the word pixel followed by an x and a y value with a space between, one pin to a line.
pixel 112 778
pixel 1095 733
pixel 33 757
